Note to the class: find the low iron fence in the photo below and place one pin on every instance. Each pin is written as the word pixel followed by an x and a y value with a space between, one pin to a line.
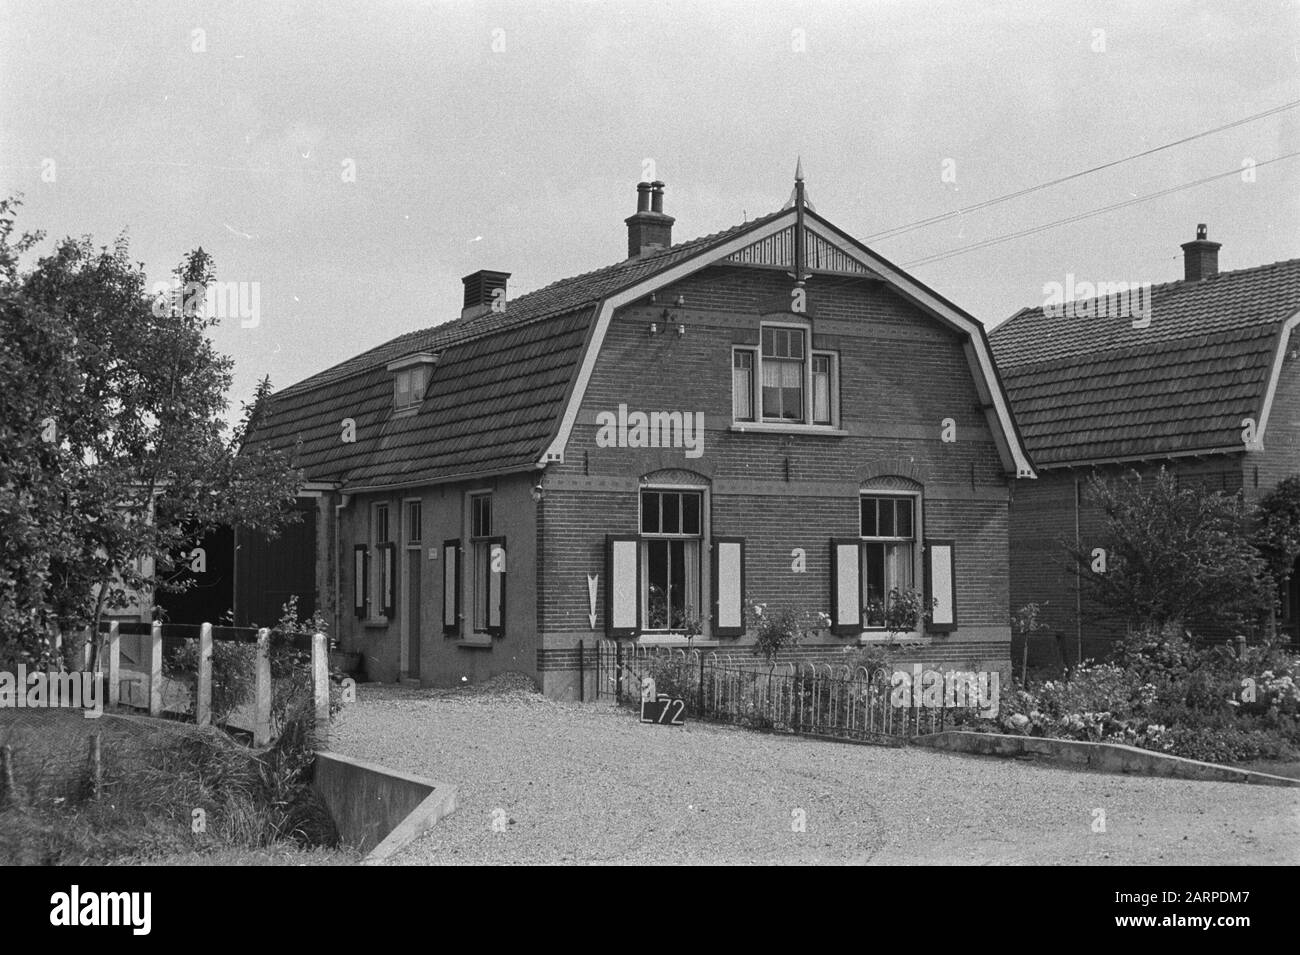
pixel 806 698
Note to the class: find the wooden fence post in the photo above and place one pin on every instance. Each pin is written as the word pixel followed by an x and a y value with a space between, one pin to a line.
pixel 203 690
pixel 155 669
pixel 320 682
pixel 262 691
pixel 114 664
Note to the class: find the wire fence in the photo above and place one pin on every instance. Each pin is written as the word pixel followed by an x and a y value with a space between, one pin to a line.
pixel 805 698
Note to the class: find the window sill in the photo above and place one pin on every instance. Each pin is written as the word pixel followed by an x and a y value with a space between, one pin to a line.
pixel 673 640
pixel 770 427
pixel 879 638
pixel 476 642
pixel 375 623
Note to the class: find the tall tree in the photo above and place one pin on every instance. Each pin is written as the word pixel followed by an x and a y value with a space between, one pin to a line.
pixel 115 455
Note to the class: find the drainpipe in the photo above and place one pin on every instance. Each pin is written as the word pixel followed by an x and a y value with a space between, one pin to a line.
pixel 1078 583
pixel 344 501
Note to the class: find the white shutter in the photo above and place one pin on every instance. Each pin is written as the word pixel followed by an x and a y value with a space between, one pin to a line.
pixel 846 586
pixel 729 586
pixel 941 587
pixel 622 586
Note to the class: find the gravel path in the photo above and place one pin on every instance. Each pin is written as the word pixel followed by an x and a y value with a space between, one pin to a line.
pixel 585 783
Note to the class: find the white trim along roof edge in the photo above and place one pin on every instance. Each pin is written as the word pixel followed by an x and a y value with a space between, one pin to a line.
pixel 1011 448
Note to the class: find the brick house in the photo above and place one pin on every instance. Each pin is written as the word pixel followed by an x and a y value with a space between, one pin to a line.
pixel 772 413
pixel 1204 381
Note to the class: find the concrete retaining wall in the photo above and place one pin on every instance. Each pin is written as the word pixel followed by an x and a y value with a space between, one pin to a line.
pixel 377 809
pixel 1106 757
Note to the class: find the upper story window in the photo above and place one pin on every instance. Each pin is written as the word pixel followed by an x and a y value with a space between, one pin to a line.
pixel 410 380
pixel 783 381
pixel 408 387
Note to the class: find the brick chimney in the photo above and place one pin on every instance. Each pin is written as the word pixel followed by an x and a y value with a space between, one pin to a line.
pixel 1200 257
pixel 481 291
pixel 649 228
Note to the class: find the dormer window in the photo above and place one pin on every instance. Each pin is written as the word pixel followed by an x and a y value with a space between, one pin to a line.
pixel 410 379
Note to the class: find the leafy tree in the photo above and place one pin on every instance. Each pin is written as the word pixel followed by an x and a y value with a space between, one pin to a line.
pixel 114 453
pixel 1277 528
pixel 1171 553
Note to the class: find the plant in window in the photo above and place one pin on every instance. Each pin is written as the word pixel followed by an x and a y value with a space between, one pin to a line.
pixel 903 611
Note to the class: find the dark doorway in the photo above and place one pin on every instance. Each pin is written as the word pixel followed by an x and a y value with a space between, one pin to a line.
pixel 270 571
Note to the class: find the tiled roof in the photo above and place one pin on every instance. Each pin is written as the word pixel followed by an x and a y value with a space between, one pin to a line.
pixel 1096 388
pixel 495 395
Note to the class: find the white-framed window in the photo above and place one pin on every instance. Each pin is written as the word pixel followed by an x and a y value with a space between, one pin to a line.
pixel 742 384
pixel 672 532
pixel 784 381
pixel 383 600
pixel 890 553
pixel 487 554
pixel 408 387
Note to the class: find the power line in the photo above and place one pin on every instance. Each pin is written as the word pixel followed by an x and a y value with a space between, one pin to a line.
pixel 920 223
pixel 997 240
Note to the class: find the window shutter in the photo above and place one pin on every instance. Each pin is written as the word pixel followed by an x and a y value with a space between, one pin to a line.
pixel 622 586
pixel 360 579
pixel 941 585
pixel 451 587
pixel 388 579
pixel 496 577
pixel 846 586
pixel 728 586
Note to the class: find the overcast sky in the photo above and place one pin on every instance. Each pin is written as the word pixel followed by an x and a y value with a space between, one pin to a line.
pixel 510 136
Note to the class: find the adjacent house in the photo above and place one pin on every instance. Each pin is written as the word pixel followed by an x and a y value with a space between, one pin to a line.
pixel 1201 376
pixel 772 413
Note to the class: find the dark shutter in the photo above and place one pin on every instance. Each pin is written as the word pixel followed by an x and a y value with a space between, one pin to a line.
pixel 360 579
pixel 728 586
pixel 451 587
pixel 496 582
pixel 846 585
pixel 622 586
pixel 388 579
pixel 941 585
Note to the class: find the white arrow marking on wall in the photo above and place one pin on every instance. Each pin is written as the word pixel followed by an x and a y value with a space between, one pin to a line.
pixel 591 598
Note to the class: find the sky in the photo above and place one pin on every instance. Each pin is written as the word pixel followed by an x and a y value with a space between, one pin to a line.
pixel 351 161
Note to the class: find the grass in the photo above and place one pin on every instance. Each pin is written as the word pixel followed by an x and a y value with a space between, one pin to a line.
pixel 166 791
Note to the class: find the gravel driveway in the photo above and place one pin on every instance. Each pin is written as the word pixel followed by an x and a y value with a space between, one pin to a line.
pixel 585 783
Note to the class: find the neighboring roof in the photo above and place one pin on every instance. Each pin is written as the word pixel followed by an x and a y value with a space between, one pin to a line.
pixel 493 400
pixel 1095 388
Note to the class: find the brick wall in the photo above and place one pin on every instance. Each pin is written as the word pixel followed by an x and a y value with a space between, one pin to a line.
pixel 901 374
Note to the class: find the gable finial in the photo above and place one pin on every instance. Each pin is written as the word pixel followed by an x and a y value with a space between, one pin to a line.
pixel 798 170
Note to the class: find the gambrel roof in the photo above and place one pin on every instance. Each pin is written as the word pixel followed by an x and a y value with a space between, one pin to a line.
pixel 505 387
pixel 1089 387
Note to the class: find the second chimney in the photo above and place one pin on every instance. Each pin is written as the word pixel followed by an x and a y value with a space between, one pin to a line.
pixel 649 228
pixel 1200 257
pixel 483 289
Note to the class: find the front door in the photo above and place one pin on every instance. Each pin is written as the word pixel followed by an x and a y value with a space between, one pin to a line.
pixel 413 614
